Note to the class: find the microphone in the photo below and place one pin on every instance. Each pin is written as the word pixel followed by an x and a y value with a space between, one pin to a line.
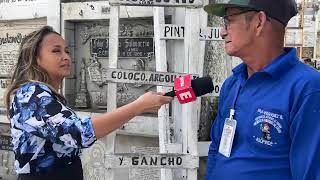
pixel 187 90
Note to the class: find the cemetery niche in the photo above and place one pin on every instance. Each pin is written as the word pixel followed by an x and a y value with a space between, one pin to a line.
pixel 136 54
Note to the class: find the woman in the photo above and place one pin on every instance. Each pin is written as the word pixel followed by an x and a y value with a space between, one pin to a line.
pixel 47 135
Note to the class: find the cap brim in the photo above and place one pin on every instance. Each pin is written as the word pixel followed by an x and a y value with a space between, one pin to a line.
pixel 219 9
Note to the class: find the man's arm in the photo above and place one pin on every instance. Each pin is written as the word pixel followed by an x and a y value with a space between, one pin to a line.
pixel 215 137
pixel 214 146
pixel 305 134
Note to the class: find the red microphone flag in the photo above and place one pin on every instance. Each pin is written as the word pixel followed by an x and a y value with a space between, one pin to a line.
pixel 183 89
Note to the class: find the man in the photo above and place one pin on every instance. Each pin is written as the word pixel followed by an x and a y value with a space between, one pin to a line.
pixel 268 121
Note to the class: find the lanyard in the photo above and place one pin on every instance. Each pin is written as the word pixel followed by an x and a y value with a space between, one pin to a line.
pixel 233 107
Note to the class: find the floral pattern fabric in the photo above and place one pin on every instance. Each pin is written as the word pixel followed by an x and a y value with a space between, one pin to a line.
pixel 45 133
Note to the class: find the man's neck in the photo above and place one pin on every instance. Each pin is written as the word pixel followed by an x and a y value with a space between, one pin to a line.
pixel 260 59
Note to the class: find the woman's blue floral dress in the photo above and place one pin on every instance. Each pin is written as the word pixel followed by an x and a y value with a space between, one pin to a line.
pixel 45 132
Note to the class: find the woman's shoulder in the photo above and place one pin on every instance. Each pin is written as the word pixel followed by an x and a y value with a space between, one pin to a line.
pixel 33 88
pixel 35 85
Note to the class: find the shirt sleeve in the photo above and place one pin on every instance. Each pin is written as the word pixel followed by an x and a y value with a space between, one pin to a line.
pixel 305 135
pixel 215 139
pixel 213 148
pixel 37 111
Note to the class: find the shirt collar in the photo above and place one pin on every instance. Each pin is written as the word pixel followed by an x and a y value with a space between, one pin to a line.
pixel 282 63
pixel 241 68
pixel 279 65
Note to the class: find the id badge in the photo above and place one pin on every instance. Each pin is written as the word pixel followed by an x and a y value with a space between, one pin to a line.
pixel 228 133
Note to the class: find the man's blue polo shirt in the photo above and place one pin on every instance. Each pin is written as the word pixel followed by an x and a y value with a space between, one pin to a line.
pixel 278 123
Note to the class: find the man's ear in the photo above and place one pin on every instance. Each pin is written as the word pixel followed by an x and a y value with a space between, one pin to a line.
pixel 262 19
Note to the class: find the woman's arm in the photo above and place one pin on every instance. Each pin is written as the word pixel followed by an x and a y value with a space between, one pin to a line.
pixel 36 111
pixel 149 102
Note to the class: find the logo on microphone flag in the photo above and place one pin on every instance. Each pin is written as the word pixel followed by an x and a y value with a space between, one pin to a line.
pixel 183 89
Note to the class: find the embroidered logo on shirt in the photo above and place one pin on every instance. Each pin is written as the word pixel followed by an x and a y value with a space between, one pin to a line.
pixel 265 131
pixel 268 123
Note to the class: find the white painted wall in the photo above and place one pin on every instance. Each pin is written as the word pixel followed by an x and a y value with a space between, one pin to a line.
pixel 23 9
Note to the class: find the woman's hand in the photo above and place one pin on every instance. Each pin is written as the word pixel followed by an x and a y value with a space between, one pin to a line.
pixel 152 101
